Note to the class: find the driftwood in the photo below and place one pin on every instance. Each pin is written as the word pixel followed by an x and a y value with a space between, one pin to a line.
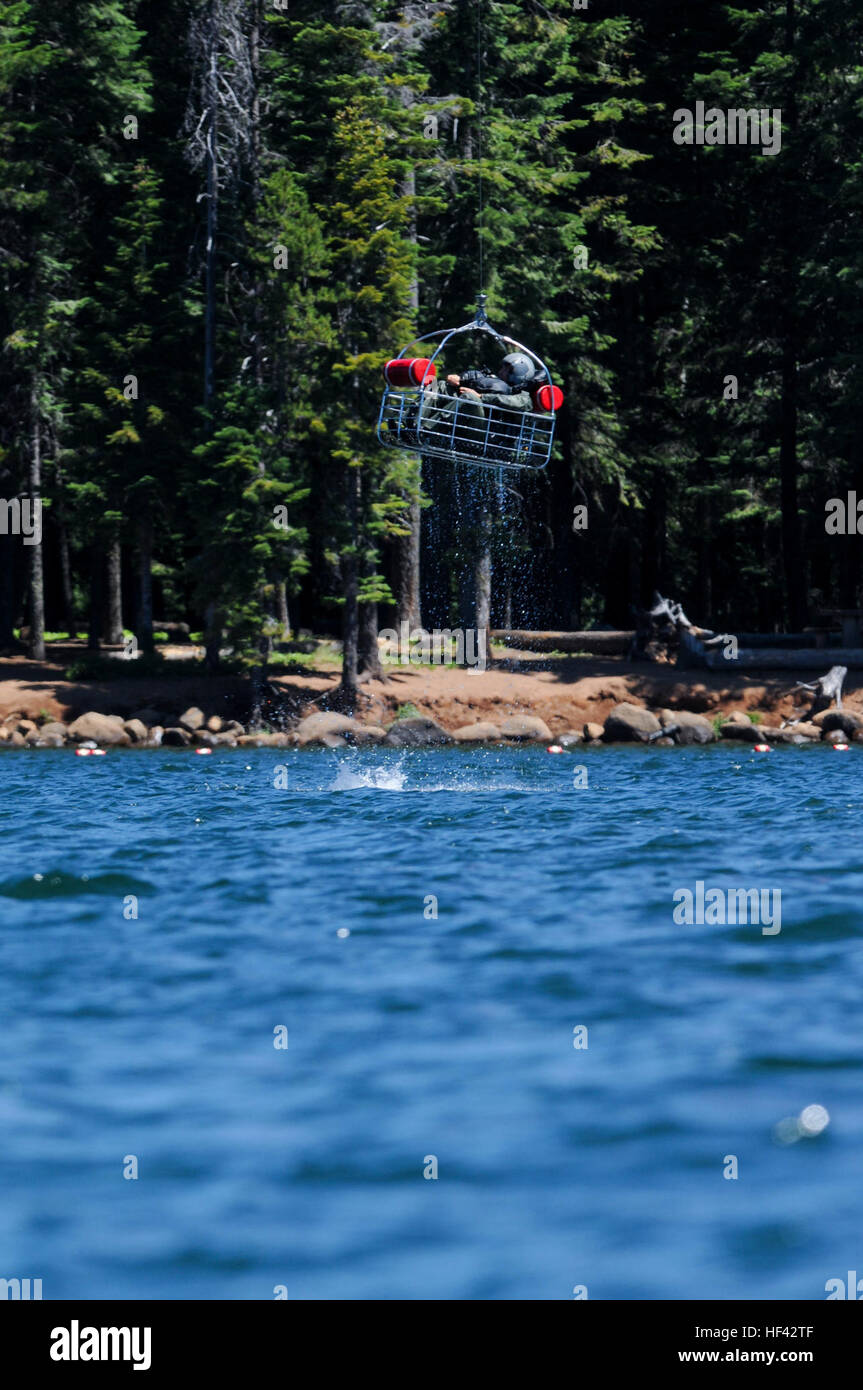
pixel 665 629
pixel 827 690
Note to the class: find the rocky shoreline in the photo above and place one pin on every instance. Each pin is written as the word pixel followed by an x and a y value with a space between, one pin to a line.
pixel 625 723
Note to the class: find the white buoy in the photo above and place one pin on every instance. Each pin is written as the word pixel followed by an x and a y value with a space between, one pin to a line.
pixel 203 750
pixel 763 748
pixel 554 748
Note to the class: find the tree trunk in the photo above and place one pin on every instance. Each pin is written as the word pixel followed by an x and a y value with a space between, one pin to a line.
pixel 258 676
pixel 94 617
pixel 793 551
pixel 407 567
pixel 483 583
pixel 37 584
pixel 407 548
pixel 368 652
pixel 144 619
pixel 69 618
pixel 213 622
pixel 282 615
pixel 7 594
pixel 350 572
pixel 114 594
pixel 212 219
pixel 793 567
pixel 36 642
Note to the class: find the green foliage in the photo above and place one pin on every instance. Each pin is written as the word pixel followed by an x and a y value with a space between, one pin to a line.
pixel 349 217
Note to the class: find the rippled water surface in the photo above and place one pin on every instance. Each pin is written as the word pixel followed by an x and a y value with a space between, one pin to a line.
pixel 413 1036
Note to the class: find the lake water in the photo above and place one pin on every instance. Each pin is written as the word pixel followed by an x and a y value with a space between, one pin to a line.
pixel 415 1037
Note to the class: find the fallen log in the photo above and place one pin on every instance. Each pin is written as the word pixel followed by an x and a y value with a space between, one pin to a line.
pixel 596 643
pixel 776 659
pixel 825 691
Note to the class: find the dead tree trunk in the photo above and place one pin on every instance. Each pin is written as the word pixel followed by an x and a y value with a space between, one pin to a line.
pixel 825 691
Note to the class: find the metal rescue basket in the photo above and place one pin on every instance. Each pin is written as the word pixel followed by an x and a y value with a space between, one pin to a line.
pixel 415 415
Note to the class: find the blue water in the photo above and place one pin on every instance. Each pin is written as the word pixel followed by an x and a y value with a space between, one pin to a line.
pixel 415 1036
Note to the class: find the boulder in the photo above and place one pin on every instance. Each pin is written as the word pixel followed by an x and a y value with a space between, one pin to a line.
pixel 16 740
pixel 192 719
pixel 593 732
pixel 789 735
pixel 176 738
pixel 737 716
pixel 664 742
pixel 570 739
pixel 417 732
pixel 102 728
pixel 836 736
pixel 746 732
pixel 828 719
pixel 234 727
pixel 483 732
pixel 26 726
pixel 53 729
pixel 315 727
pixel 807 729
pixel 5 733
pixel 691 728
pixel 43 740
pixel 215 724
pixel 367 733
pixel 278 739
pixel 157 733
pixel 136 729
pixel 262 739
pixel 630 724
pixel 526 728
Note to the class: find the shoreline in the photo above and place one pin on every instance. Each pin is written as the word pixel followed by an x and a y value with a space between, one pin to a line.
pixel 521 698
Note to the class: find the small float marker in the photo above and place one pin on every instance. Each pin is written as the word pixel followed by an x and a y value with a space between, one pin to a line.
pixel 763 748
pixel 83 752
pixel 840 747
pixel 554 748
pixel 203 750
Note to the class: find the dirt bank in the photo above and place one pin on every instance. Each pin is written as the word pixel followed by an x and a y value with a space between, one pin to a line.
pixel 565 692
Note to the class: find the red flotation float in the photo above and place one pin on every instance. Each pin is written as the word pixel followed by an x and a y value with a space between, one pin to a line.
pixel 409 371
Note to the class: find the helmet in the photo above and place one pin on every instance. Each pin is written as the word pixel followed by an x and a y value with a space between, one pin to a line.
pixel 516 369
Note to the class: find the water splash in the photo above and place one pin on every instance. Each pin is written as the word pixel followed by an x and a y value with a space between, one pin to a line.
pixel 386 779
